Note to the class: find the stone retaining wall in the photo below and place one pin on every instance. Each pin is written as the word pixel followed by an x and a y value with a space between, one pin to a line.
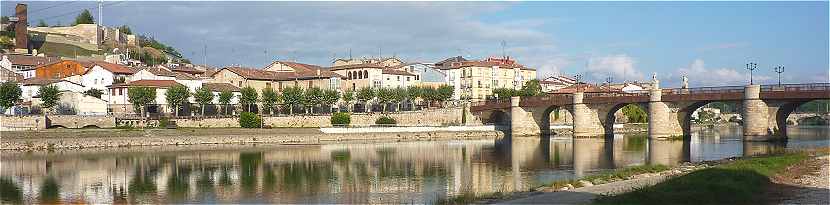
pixel 430 117
pixel 149 139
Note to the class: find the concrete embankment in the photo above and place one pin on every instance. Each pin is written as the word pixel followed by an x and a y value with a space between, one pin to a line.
pixel 104 138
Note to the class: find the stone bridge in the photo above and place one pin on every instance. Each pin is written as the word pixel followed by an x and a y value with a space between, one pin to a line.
pixel 764 109
pixel 79 121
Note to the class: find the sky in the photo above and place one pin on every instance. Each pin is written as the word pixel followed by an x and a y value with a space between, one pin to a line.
pixel 710 42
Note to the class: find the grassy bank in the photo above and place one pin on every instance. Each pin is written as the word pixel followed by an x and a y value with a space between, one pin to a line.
pixel 600 178
pixel 739 182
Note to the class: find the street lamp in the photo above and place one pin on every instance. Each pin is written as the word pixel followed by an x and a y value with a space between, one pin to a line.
pixel 578 78
pixel 779 70
pixel 751 67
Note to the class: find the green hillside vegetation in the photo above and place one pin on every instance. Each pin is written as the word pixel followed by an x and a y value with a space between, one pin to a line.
pixel 64 50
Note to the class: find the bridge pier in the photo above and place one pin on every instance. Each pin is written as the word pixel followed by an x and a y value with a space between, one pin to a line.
pixel 523 122
pixel 760 119
pixel 586 120
pixel 663 117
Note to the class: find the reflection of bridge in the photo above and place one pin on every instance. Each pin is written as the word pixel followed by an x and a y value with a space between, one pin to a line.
pixel 764 109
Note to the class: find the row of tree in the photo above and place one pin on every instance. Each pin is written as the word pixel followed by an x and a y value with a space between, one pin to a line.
pixel 178 96
pixel 530 88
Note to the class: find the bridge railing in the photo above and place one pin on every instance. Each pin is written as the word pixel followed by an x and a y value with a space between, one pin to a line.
pixel 703 90
pixel 796 87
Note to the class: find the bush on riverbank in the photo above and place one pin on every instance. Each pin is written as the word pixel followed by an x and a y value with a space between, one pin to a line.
pixel 739 182
pixel 249 120
pixel 341 118
pixel 386 120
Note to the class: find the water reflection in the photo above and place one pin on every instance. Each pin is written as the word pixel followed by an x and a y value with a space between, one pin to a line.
pixel 410 172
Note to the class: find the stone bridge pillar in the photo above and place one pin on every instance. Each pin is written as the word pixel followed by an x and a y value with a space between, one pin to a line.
pixel 586 119
pixel 522 121
pixel 663 121
pixel 757 118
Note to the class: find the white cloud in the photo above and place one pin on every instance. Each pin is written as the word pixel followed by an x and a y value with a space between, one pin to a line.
pixel 699 76
pixel 620 67
pixel 315 32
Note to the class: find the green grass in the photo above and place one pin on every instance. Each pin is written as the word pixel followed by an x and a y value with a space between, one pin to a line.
pixel 65 50
pixel 739 182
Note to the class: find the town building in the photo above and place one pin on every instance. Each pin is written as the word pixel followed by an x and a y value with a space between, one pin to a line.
pixel 99 75
pixel 554 83
pixel 279 76
pixel 31 87
pixel 217 88
pixel 385 62
pixel 19 63
pixel 56 70
pixel 162 73
pixel 475 80
pixel 307 74
pixel 426 74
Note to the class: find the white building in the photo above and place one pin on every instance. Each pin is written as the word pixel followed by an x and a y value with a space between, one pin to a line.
pixel 217 88
pixel 119 100
pixel 31 87
pixel 100 75
pixel 554 83
pixel 160 73
pixel 393 78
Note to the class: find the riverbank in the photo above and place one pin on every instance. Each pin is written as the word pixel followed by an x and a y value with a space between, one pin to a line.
pixel 728 181
pixel 54 139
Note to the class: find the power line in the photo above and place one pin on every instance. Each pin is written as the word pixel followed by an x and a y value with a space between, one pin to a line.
pixel 76 11
pixel 53 6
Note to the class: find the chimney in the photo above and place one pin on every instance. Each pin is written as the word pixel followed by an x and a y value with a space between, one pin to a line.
pixel 318 72
pixel 20 27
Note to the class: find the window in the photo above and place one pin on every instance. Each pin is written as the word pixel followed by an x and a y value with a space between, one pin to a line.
pixel 350 75
pixel 280 85
pixel 407 78
pixel 366 74
pixel 495 83
pixel 309 84
pixel 416 77
pixel 377 83
pixel 399 78
pixel 479 84
pixel 240 83
pixel 268 84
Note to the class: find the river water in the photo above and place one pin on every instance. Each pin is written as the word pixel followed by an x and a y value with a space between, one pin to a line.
pixel 403 172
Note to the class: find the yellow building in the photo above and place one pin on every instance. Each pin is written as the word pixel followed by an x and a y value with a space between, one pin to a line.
pixel 476 80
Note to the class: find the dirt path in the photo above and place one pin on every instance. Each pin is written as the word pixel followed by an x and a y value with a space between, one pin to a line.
pixel 805 183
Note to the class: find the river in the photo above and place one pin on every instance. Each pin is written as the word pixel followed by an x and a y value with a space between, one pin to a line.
pixel 402 172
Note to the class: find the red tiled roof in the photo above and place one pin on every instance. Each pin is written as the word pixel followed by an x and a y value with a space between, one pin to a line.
pixel 148 83
pixel 40 81
pixel 396 72
pixel 114 68
pixel 28 60
pixel 219 87
pixel 164 72
pixel 305 71
pixel 258 74
pixel 187 69
pixel 364 65
pixel 486 64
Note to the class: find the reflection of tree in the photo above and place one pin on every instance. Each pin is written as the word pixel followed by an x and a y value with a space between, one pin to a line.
pixel 9 192
pixel 225 178
pixel 205 182
pixel 178 183
pixel 49 191
pixel 248 163
pixel 141 184
pixel 269 182
pixel 312 175
pixel 119 195
pixel 635 143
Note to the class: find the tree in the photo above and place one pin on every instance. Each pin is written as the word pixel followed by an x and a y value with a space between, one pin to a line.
pixel 413 93
pixel 9 94
pixel 365 95
pixel 225 99
pixel 94 93
pixel 634 114
pixel 84 18
pixel 140 97
pixel 348 98
pixel 292 96
pixel 177 96
pixel 384 96
pixel 249 97
pixel 330 97
pixel 42 23
pixel 313 97
pixel 504 93
pixel 531 88
pixel 398 96
pixel 270 98
pixel 444 93
pixel 429 94
pixel 204 96
pixel 125 29
pixel 50 95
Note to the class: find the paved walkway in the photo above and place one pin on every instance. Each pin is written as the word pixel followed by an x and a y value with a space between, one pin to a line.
pixel 584 195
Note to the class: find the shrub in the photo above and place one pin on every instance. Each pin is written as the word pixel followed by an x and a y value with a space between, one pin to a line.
pixel 341 118
pixel 249 120
pixel 385 120
pixel 163 122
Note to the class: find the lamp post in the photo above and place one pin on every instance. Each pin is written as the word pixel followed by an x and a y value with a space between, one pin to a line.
pixel 779 70
pixel 578 78
pixel 751 67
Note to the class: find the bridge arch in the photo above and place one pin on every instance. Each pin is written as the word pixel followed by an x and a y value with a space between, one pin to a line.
pixel 611 116
pixel 554 113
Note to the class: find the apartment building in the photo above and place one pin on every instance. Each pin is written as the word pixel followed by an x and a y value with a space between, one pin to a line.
pixel 475 80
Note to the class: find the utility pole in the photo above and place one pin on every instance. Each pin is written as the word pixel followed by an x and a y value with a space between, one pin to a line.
pixel 205 56
pixel 503 51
